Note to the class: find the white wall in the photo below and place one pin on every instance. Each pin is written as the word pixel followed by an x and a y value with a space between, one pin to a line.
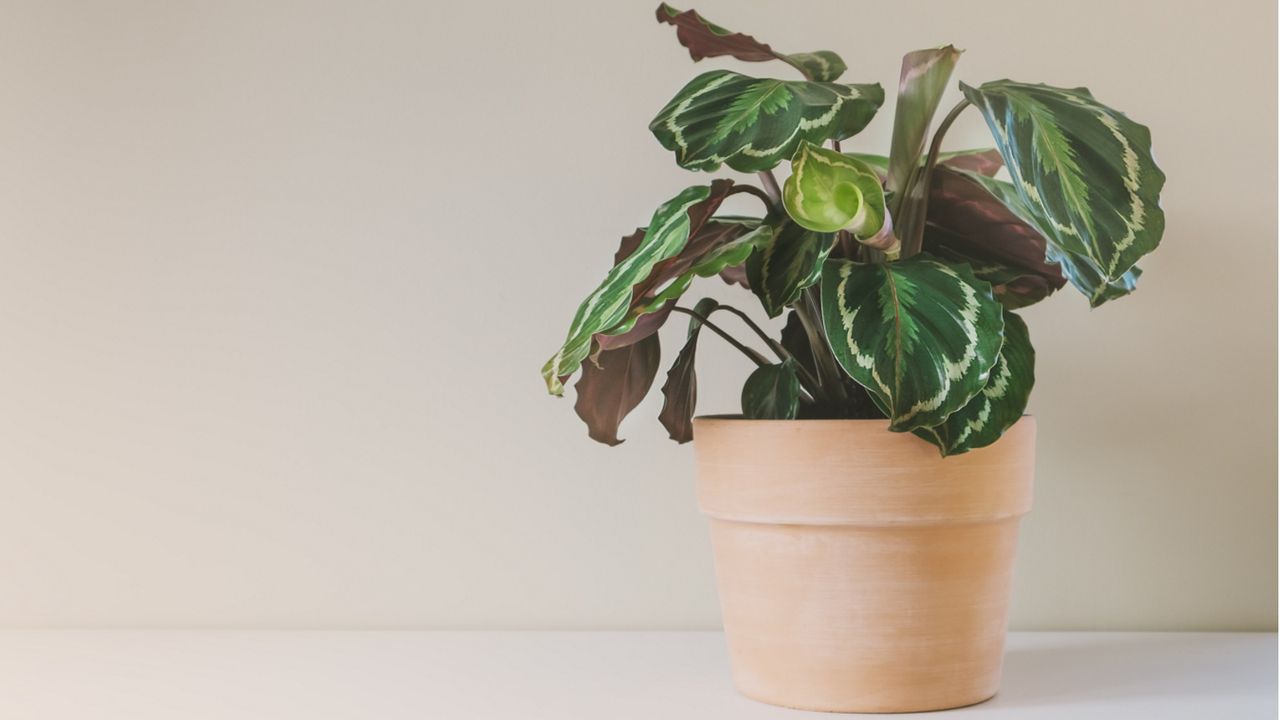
pixel 277 278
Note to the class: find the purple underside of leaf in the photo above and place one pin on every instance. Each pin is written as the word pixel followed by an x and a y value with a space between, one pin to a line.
pixel 736 275
pixel 987 162
pixel 680 394
pixel 696 34
pixel 966 219
pixel 613 386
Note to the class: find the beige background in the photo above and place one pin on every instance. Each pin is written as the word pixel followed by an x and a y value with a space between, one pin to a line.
pixel 277 278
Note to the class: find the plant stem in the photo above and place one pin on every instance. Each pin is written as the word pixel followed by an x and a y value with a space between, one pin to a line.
pixel 830 375
pixel 757 192
pixel 756 357
pixel 911 245
pixel 773 344
pixel 771 186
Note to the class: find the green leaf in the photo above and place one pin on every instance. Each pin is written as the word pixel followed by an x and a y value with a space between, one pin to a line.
pixel 753 124
pixel 680 392
pixel 781 269
pixel 968 223
pixel 613 385
pixel 919 334
pixel 611 303
pixel 828 191
pixel 820 66
pixel 1000 403
pixel 705 39
pixel 1086 174
pixel 708 254
pixel 924 77
pixel 1080 270
pixel 772 392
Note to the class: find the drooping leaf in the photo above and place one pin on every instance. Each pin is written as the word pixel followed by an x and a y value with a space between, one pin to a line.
pixel 1001 402
pixel 613 385
pixel 1080 270
pixel 779 270
pixel 705 39
pixel 828 191
pixel 967 223
pixel 772 392
pixel 674 222
pixel 753 124
pixel 1085 171
pixel 919 334
pixel 924 77
pixel 680 392
pixel 671 278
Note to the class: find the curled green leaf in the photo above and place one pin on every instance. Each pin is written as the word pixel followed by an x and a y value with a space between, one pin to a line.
pixel 829 191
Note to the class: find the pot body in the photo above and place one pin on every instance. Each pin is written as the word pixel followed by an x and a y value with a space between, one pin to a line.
pixel 858 570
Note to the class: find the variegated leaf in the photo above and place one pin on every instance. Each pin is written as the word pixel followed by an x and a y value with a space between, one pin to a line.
pixel 923 79
pixel 919 334
pixel 1087 174
pixel 613 385
pixel 752 124
pixel 828 191
pixel 1080 270
pixel 611 303
pixel 669 280
pixel 772 392
pixel 680 392
pixel 781 269
pixel 705 39
pixel 967 223
pixel 1001 402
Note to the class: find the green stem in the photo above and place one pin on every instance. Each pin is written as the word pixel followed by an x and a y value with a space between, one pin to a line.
pixel 829 374
pixel 756 357
pixel 771 185
pixel 757 192
pixel 911 245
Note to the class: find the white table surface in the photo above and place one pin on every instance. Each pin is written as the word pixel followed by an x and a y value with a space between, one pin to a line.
pixel 281 675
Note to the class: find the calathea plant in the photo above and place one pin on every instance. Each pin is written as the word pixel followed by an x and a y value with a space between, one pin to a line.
pixel 899 276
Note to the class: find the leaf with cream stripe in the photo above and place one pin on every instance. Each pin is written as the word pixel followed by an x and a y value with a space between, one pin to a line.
pixel 828 191
pixel 779 270
pixel 919 334
pixel 1087 174
pixel 750 124
pixel 661 246
pixel 1001 402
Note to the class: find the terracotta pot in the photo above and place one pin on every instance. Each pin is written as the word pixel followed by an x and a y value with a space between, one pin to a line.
pixel 858 570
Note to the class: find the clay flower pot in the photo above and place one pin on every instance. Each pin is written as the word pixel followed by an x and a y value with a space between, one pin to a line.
pixel 858 570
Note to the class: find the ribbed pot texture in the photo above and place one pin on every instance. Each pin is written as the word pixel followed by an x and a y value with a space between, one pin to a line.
pixel 858 570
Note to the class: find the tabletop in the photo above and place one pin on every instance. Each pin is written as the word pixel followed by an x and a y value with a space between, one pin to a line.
pixel 387 675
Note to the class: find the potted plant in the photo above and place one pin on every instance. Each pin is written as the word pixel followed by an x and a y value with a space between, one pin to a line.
pixel 859 569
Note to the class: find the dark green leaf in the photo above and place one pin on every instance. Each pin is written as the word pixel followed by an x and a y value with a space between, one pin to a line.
pixel 772 392
pixel 791 262
pixel 919 334
pixel 1000 403
pixel 1085 174
pixel 753 124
